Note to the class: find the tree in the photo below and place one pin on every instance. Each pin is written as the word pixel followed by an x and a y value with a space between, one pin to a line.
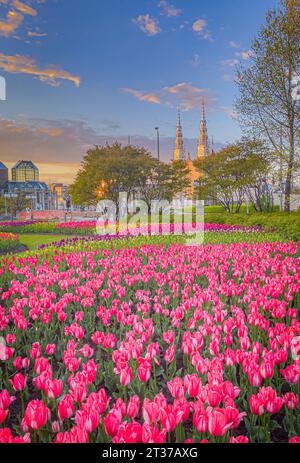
pixel 108 170
pixel 266 105
pixel 236 171
pixel 17 204
pixel 162 181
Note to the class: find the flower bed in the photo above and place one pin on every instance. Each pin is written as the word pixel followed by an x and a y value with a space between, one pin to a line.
pixel 93 242
pixel 8 241
pixel 88 228
pixel 152 345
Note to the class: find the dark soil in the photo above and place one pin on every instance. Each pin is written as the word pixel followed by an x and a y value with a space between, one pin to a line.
pixel 15 250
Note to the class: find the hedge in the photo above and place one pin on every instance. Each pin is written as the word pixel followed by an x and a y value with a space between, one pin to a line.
pixel 287 225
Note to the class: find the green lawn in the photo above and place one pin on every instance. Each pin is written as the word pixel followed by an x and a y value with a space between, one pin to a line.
pixel 34 241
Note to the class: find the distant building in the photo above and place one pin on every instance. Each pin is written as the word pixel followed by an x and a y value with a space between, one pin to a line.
pixel 59 194
pixel 25 171
pixel 25 182
pixel 3 174
pixel 38 194
pixel 204 149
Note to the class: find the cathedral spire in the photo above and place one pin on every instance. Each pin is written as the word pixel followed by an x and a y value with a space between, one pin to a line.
pixel 203 111
pixel 203 149
pixel 179 149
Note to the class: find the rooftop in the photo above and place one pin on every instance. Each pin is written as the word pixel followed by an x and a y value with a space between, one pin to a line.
pixel 25 163
pixel 27 186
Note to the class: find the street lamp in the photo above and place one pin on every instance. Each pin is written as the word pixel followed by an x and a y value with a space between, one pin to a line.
pixel 157 132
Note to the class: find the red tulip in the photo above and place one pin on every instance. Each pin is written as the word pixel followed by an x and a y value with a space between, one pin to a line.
pixel 18 382
pixel 217 422
pixel 291 400
pixel 133 407
pixel 66 407
pixel 50 349
pixel 3 415
pixel 126 376
pixel 88 420
pixel 36 414
pixel 5 400
pixel 170 354
pixel 111 424
pixel 128 433
pixel 256 405
pixel 53 389
pixel 295 440
pixel 200 421
pixel 239 440
pixel 176 388
pixel 192 385
pixel 152 435
pixel 144 369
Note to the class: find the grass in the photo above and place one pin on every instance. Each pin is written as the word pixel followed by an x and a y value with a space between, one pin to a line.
pixel 34 241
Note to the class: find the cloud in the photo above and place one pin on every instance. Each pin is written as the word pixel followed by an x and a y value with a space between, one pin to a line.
pixel 230 62
pixel 36 34
pixel 227 77
pixel 53 172
pixel 12 23
pixel 148 97
pixel 230 112
pixel 182 94
pixel 58 146
pixel 168 9
pixel 234 44
pixel 147 24
pixel 14 16
pixel 20 64
pixel 23 8
pixel 246 55
pixel 110 125
pixel 199 27
pixel 42 139
pixel 51 132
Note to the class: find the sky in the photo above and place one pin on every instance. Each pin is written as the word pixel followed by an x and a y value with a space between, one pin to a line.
pixel 86 72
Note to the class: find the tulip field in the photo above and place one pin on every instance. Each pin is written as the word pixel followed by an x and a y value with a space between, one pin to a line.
pixel 151 344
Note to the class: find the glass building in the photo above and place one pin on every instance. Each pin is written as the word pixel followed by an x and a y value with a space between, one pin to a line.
pixel 25 171
pixel 3 174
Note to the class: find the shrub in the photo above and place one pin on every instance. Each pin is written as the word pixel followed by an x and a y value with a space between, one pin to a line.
pixel 287 225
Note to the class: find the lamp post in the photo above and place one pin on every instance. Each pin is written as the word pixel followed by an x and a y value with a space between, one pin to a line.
pixel 158 147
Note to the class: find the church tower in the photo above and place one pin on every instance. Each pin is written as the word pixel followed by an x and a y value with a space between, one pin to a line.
pixel 203 147
pixel 179 149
